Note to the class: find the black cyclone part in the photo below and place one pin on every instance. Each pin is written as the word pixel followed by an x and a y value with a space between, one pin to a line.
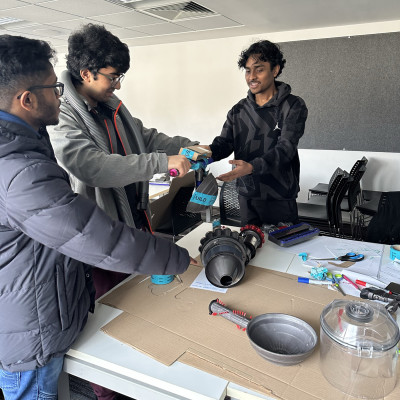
pixel 224 255
pixel 253 238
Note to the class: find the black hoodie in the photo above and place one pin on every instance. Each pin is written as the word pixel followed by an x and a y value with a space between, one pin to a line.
pixel 266 137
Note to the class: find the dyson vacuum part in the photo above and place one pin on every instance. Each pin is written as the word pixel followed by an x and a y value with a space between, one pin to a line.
pixel 225 253
pixel 279 338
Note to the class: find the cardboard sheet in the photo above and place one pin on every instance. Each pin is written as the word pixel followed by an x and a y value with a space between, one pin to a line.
pixel 172 322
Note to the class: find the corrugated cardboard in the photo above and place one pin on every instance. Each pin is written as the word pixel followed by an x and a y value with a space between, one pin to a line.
pixel 161 208
pixel 195 151
pixel 172 322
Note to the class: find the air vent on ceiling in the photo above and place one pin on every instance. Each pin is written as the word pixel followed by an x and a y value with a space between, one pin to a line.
pixel 167 9
pixel 179 11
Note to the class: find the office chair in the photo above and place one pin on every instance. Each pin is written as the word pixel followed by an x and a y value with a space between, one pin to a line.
pixel 321 189
pixel 384 226
pixel 229 209
pixel 326 216
pixel 350 201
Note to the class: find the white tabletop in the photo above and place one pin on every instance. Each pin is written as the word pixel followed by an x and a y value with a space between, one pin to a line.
pixel 99 358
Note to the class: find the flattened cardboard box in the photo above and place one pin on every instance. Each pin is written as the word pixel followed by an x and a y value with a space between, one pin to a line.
pixel 172 322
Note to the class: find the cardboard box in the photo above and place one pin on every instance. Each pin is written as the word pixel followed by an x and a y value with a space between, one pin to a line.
pixel 160 209
pixel 171 322
pixel 195 152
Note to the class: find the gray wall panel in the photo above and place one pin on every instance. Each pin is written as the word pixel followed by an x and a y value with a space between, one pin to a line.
pixel 351 86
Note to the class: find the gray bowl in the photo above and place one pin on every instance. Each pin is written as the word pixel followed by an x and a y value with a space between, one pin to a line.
pixel 281 339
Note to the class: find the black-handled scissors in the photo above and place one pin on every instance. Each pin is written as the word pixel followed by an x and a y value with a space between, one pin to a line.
pixel 354 257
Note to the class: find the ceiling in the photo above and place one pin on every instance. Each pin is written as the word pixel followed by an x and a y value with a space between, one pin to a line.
pixel 145 22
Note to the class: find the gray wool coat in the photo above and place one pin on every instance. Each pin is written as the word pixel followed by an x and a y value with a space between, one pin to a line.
pixel 84 149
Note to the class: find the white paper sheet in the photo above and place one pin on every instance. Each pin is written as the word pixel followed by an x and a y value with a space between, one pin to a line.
pixel 201 282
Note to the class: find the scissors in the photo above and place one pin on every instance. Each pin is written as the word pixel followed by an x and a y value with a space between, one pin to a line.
pixel 351 256
pixel 335 279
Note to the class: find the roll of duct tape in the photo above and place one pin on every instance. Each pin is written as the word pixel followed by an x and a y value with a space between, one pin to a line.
pixel 395 252
pixel 162 279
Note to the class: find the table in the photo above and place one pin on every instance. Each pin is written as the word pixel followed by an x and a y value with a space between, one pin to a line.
pixel 157 190
pixel 99 358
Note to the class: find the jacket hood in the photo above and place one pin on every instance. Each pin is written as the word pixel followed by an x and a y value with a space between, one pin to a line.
pixel 16 134
pixel 283 92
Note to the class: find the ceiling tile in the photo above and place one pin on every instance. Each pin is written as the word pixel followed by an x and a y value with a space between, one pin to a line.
pixel 126 19
pixel 36 14
pixel 85 8
pixel 212 22
pixel 72 24
pixel 123 34
pixel 162 29
pixel 5 4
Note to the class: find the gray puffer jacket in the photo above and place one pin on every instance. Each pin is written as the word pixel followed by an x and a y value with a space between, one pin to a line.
pixel 47 235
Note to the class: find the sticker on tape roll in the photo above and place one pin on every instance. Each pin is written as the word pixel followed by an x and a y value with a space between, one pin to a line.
pixel 395 252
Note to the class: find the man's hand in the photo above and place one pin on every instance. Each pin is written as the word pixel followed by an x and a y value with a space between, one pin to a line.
pixel 179 162
pixel 193 261
pixel 242 168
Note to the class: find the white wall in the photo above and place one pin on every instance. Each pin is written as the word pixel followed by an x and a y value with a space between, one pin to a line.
pixel 187 89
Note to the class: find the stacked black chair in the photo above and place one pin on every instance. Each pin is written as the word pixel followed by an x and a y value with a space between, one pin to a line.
pixel 327 216
pixel 384 226
pixel 321 189
pixel 350 200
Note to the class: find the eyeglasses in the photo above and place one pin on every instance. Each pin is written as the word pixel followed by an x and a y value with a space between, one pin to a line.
pixel 58 88
pixel 113 79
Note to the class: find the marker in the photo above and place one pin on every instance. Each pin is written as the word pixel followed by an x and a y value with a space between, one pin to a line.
pixel 350 281
pixel 312 281
pixel 367 285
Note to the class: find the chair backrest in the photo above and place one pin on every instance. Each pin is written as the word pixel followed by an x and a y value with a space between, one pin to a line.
pixel 337 172
pixel 384 226
pixel 338 196
pixel 229 208
pixel 333 185
pixel 354 188
pixel 358 165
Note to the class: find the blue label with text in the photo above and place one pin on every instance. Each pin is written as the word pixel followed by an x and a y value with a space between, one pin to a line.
pixel 188 153
pixel 204 199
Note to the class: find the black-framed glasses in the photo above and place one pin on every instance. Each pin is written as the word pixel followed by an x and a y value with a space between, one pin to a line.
pixel 113 79
pixel 58 88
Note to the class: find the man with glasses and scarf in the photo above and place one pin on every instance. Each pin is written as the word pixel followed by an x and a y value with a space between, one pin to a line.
pixel 49 235
pixel 109 155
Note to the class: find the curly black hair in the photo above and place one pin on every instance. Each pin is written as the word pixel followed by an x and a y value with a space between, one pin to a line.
pixel 264 50
pixel 94 47
pixel 23 62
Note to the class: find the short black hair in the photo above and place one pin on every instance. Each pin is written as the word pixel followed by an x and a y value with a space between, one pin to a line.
pixel 23 62
pixel 265 51
pixel 94 47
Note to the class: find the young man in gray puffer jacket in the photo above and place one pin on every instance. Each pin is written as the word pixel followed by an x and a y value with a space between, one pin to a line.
pixel 49 235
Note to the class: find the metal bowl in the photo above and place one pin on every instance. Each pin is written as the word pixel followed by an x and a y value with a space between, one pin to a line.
pixel 281 339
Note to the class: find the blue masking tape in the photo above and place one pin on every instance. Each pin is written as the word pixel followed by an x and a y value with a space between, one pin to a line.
pixel 204 199
pixel 187 153
pixel 395 252
pixel 162 279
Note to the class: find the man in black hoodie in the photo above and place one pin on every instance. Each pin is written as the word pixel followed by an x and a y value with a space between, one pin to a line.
pixel 263 131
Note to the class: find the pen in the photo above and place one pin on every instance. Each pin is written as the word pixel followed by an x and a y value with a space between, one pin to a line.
pixel 350 281
pixel 312 281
